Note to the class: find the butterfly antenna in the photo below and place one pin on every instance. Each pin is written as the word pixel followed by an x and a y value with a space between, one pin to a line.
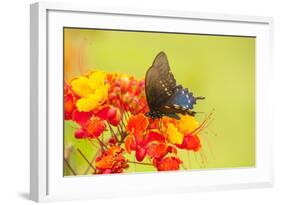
pixel 200 98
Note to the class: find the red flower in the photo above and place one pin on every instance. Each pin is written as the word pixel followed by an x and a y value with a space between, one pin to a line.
pixel 168 164
pixel 90 128
pixel 151 142
pixel 137 124
pixel 112 141
pixel 80 133
pixel 154 123
pixel 190 142
pixel 160 150
pixel 111 161
pixel 69 106
pixel 70 99
pixel 130 144
pixel 110 114
pixel 94 127
pixel 126 93
pixel 81 117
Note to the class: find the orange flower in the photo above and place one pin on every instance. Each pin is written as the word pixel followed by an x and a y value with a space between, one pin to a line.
pixel 130 143
pixel 111 161
pixel 167 120
pixel 145 142
pixel 159 150
pixel 168 164
pixel 152 144
pixel 137 124
pixel 94 127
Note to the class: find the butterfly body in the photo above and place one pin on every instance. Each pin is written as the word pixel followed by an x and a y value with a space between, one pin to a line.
pixel 164 96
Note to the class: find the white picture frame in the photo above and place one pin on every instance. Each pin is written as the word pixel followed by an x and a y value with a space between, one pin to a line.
pixel 46 179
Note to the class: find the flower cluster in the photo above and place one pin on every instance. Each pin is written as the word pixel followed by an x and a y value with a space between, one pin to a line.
pixel 111 161
pixel 110 108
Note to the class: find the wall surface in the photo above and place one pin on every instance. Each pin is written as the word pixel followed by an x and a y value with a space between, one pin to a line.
pixel 14 114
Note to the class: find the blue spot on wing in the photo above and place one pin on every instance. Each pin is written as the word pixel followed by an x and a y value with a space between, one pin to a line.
pixel 182 97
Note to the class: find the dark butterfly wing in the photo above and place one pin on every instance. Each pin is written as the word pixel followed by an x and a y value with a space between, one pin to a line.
pixel 159 82
pixel 182 97
pixel 181 101
pixel 163 95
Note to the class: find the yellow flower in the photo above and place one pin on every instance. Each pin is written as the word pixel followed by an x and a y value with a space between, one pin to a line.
pixel 174 136
pixel 92 90
pixel 97 79
pixel 187 124
pixel 81 86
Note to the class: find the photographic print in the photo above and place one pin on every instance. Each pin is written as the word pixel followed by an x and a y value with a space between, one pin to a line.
pixel 146 101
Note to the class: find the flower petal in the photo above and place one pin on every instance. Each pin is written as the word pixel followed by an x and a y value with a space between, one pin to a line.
pixel 105 162
pixel 140 153
pixel 190 142
pixel 80 134
pixel 97 79
pixel 81 117
pixel 168 164
pixel 69 106
pixel 114 150
pixel 81 86
pixel 187 124
pixel 153 135
pixel 174 136
pixel 93 91
pixel 93 100
pixel 110 114
pixel 130 143
pixel 95 127
pixel 157 150
pixel 111 161
pixel 137 124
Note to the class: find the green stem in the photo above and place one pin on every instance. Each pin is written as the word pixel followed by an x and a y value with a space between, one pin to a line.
pixel 141 163
pixel 85 158
pixel 70 168
pixel 112 132
pixel 103 146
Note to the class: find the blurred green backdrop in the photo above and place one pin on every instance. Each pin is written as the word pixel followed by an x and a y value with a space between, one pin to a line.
pixel 221 68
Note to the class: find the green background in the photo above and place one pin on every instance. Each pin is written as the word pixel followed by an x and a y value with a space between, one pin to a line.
pixel 221 68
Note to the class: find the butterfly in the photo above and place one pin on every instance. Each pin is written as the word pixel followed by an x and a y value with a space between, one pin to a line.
pixel 164 96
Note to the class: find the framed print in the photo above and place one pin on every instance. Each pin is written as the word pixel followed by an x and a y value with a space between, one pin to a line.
pixel 127 102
